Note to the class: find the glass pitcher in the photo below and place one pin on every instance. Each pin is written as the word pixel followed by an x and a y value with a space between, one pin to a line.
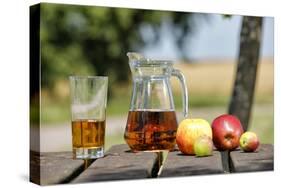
pixel 152 122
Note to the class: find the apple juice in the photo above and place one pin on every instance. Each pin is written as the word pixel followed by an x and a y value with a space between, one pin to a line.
pixel 88 133
pixel 151 130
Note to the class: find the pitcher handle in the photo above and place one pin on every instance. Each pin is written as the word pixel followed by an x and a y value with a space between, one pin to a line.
pixel 177 73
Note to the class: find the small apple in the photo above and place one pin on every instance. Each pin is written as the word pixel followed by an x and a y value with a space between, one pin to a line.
pixel 203 146
pixel 227 130
pixel 249 141
pixel 188 131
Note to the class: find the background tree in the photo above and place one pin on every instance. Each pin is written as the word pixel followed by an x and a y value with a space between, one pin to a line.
pixel 95 40
pixel 247 65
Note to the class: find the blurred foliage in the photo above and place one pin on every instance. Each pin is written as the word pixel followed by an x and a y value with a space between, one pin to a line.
pixel 77 40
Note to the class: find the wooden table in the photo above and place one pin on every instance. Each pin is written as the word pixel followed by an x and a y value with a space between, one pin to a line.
pixel 120 163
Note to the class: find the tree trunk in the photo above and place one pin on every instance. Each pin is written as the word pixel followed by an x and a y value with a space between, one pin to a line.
pixel 244 86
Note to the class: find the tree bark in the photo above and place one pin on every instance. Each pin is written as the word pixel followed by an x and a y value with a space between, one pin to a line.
pixel 247 66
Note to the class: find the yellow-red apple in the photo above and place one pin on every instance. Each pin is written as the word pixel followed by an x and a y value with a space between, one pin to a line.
pixel 188 131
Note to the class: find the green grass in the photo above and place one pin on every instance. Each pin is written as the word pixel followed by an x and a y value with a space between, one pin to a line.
pixel 59 111
pixel 111 140
pixel 262 123
pixel 201 101
pixel 118 106
pixel 54 111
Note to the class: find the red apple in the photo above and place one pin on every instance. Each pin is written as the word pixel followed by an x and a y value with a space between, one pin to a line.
pixel 227 130
pixel 249 142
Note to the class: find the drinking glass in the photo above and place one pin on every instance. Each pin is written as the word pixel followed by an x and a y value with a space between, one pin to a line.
pixel 88 114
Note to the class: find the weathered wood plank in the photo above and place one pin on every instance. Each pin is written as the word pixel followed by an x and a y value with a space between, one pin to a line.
pixel 120 163
pixel 261 160
pixel 53 167
pixel 178 164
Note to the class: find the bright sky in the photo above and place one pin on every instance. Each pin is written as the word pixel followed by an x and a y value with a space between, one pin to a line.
pixel 216 38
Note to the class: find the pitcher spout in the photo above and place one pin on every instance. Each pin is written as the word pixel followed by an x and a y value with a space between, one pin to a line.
pixel 134 56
